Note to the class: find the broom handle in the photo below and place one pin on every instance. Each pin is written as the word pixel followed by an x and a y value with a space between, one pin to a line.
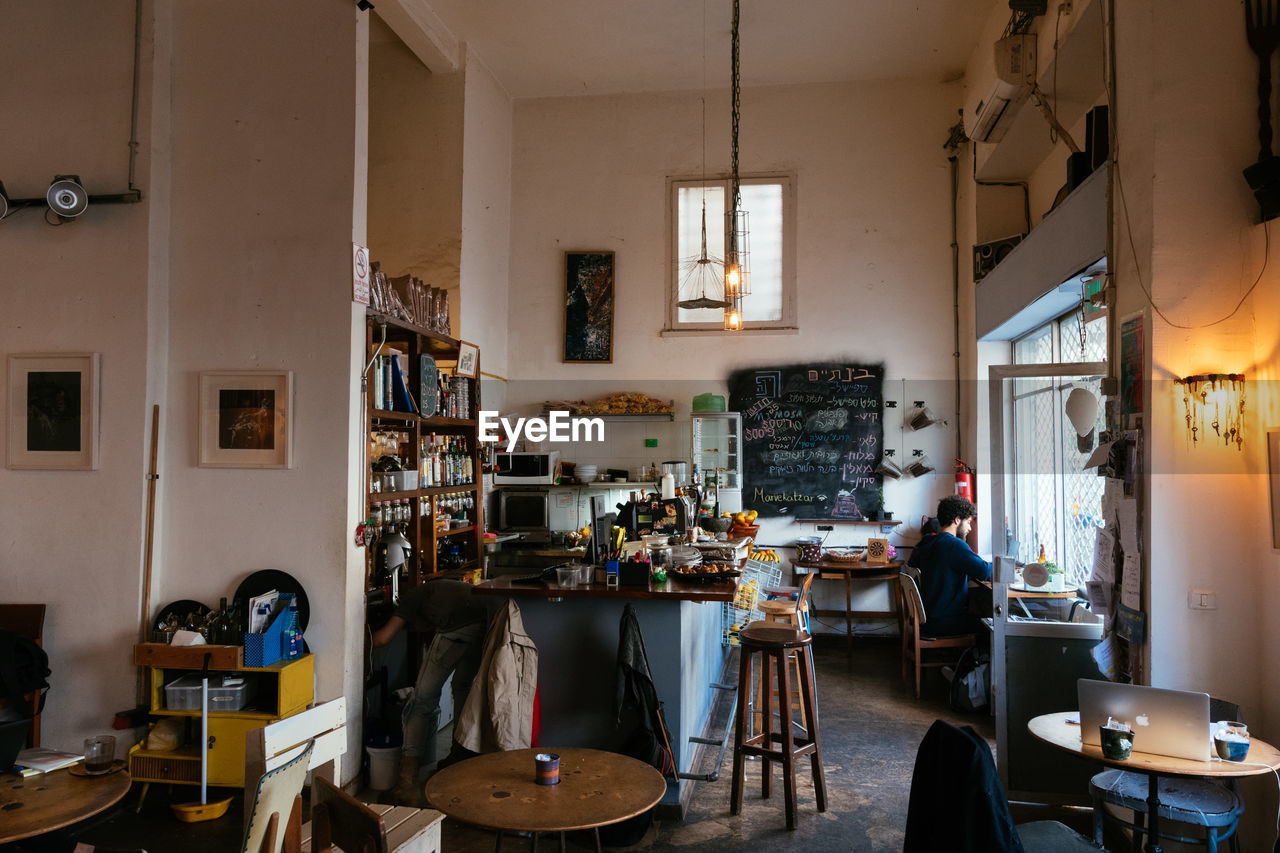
pixel 144 631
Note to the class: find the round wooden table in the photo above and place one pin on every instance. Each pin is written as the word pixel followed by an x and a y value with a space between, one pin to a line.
pixel 37 804
pixel 1056 730
pixel 497 791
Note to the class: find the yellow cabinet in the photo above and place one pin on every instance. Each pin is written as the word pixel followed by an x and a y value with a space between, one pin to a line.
pixel 278 691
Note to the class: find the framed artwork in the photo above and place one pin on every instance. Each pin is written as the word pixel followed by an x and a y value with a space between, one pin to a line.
pixel 588 307
pixel 53 411
pixel 246 419
pixel 468 360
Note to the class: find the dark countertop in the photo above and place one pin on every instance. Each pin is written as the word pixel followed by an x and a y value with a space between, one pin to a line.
pixel 672 590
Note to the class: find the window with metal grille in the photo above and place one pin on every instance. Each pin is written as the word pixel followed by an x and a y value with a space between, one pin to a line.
pixel 1056 501
pixel 770 207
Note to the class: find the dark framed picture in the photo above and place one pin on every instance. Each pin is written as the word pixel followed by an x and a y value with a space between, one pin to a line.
pixel 246 419
pixel 53 411
pixel 588 307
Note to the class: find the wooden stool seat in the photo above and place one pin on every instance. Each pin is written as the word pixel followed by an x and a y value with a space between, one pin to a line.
pixel 776 643
pixel 778 609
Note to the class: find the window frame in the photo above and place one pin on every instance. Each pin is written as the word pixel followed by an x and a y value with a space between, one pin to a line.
pixel 1054 393
pixel 786 324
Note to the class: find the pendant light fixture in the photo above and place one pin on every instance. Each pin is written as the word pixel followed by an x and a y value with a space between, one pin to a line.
pixel 737 277
pixel 700 277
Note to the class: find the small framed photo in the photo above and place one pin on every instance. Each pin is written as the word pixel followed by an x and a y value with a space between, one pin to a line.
pixel 53 411
pixel 246 419
pixel 468 360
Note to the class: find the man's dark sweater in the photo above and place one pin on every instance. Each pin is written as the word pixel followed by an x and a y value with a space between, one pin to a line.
pixel 946 564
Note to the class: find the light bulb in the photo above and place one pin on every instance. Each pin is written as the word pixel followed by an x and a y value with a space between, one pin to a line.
pixel 731 278
pixel 733 321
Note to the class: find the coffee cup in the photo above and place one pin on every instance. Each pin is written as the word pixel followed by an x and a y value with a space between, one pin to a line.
pixel 546 768
pixel 99 753
pixel 1231 740
pixel 1117 744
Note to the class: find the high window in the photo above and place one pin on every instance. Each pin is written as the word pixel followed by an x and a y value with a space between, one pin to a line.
pixel 1056 500
pixel 769 203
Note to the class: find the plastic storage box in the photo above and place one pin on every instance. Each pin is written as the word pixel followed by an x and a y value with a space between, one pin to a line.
pixel 226 692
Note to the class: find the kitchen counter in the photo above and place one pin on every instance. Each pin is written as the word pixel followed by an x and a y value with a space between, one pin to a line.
pixel 672 590
pixel 576 631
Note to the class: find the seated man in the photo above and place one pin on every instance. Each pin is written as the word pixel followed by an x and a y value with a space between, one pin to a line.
pixel 946 563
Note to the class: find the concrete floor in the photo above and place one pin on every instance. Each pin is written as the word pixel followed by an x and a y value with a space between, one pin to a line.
pixel 871 727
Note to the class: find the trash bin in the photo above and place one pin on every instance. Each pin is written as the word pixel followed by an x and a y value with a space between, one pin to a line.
pixel 384 762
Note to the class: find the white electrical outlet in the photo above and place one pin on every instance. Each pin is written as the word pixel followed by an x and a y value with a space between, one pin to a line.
pixel 1202 599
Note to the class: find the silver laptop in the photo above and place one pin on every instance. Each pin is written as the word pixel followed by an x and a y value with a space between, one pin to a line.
pixel 1164 722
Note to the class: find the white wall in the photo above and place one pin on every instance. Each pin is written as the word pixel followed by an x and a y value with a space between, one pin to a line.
pixel 73 539
pixel 239 258
pixel 1189 127
pixel 415 165
pixel 486 216
pixel 873 235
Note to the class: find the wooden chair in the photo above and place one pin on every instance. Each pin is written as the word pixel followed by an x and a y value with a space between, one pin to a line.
pixel 26 620
pixel 337 819
pixel 914 642
pixel 1195 802
pixel 277 792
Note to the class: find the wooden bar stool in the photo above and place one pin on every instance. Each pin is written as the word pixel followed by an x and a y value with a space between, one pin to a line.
pixel 773 642
pixel 793 612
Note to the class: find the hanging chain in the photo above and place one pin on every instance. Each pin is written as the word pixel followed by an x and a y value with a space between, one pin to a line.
pixel 736 193
pixel 1084 299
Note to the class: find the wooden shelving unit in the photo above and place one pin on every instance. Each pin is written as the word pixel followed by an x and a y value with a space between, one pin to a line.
pixel 426 501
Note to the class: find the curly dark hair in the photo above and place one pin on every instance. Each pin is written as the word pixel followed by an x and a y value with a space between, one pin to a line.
pixel 954 508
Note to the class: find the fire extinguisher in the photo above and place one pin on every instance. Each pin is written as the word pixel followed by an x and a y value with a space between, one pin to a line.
pixel 965 489
pixel 964 481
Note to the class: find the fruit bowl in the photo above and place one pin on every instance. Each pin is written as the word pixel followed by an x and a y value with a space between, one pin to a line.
pixel 738 531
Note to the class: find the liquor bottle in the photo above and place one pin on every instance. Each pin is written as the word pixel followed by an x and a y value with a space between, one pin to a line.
pixel 1043 558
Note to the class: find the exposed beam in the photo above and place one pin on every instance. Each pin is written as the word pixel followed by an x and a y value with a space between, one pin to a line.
pixel 422 31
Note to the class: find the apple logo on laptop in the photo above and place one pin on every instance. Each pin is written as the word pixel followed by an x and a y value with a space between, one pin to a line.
pixel 1141 720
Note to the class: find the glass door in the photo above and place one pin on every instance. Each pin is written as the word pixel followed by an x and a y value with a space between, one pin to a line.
pixel 1040 490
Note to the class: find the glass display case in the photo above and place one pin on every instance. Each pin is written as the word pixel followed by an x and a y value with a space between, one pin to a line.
pixel 715 446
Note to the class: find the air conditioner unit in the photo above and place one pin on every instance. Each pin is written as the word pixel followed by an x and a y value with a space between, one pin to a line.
pixel 1015 59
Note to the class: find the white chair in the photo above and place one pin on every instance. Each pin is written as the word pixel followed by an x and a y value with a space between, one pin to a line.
pixel 406 830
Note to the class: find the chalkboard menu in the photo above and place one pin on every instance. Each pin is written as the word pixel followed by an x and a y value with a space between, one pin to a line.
pixel 812 435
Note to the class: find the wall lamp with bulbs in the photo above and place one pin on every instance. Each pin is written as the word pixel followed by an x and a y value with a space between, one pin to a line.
pixel 66 198
pixel 1220 398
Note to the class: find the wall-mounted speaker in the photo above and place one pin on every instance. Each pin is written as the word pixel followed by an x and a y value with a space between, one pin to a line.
pixel 987 255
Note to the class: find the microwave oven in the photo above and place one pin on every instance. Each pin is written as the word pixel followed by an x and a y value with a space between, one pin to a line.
pixel 527 469
pixel 524 510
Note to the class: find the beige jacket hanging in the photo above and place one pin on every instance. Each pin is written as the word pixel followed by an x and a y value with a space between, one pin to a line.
pixel 498 713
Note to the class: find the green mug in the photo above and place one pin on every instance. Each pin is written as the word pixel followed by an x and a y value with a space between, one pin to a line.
pixel 1117 744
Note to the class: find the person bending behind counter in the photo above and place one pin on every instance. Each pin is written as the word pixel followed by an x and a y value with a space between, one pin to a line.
pixel 946 563
pixel 459 621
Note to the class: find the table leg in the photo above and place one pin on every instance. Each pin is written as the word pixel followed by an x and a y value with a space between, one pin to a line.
pixel 497 844
pixel 533 842
pixel 597 835
pixel 1153 814
pixel 848 609
pixel 562 842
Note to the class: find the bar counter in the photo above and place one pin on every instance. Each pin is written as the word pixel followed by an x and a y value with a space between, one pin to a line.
pixel 672 590
pixel 576 630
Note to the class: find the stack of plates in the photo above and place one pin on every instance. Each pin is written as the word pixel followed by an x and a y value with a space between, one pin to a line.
pixel 585 473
